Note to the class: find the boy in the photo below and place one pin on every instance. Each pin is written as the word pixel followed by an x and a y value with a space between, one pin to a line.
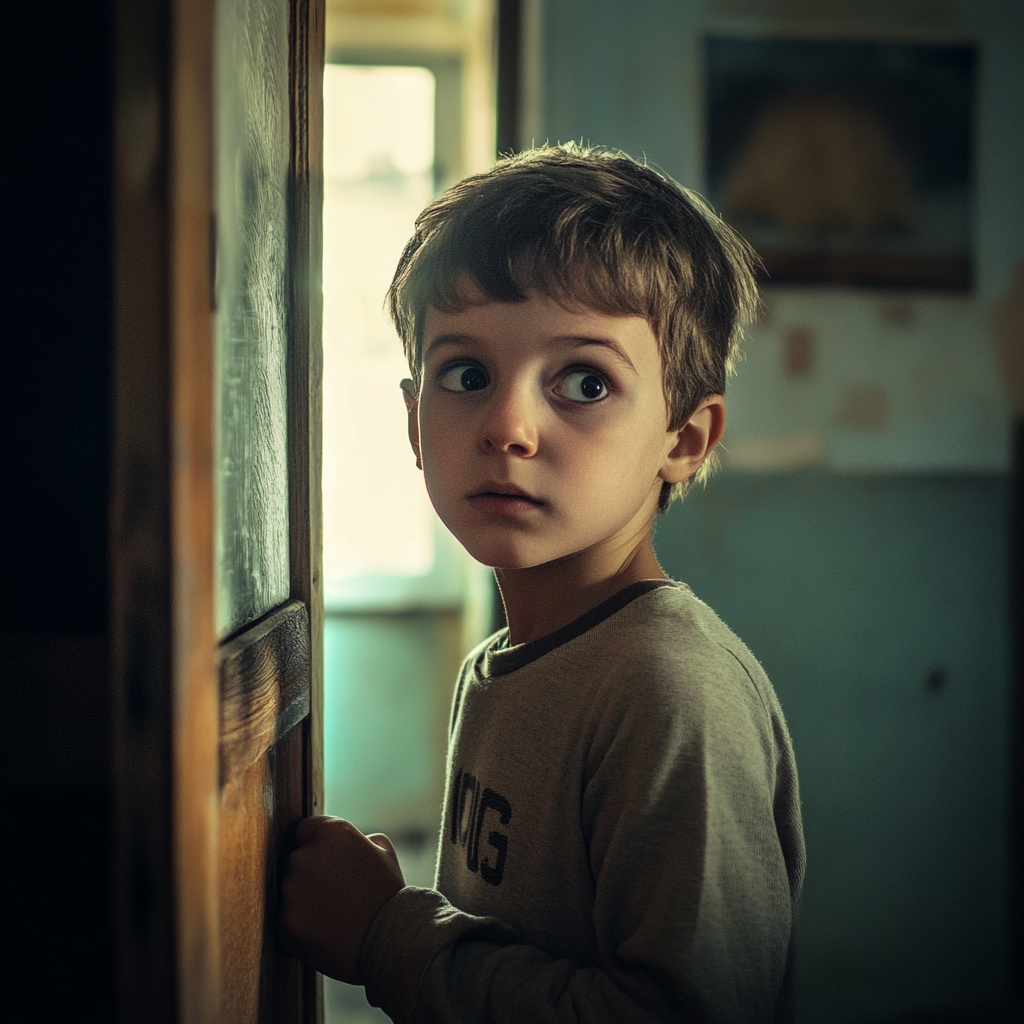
pixel 621 837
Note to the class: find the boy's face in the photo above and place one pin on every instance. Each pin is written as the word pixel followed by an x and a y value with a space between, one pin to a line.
pixel 542 430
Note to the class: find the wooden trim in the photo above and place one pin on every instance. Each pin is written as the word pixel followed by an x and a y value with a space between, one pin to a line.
pixel 509 86
pixel 305 354
pixel 140 549
pixel 164 685
pixel 195 693
pixel 166 691
pixel 264 687
pixel 305 375
pixel 1015 960
pixel 874 270
pixel 436 33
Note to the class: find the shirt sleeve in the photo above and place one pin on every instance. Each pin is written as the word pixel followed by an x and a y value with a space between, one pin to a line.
pixel 693 897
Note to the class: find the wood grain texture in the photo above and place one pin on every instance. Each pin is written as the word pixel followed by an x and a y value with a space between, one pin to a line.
pixel 264 687
pixel 306 355
pixel 305 377
pixel 246 813
pixel 164 688
pixel 271 674
pixel 211 773
pixel 259 810
pixel 295 988
pixel 195 693
pixel 253 172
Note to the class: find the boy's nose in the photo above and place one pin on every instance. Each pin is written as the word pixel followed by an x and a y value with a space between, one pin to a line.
pixel 511 425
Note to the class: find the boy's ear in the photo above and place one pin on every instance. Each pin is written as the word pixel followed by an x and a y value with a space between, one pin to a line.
pixel 694 440
pixel 412 402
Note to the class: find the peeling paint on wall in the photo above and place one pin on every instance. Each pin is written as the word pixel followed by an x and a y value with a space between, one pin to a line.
pixel 929 395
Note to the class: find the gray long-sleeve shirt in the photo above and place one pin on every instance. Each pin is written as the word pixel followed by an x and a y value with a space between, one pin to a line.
pixel 622 837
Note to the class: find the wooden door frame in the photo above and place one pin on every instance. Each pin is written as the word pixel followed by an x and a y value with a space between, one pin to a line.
pixel 305 354
pixel 306 48
pixel 165 685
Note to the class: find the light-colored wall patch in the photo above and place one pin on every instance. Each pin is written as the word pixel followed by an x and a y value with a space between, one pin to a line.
pixel 777 453
pixel 921 394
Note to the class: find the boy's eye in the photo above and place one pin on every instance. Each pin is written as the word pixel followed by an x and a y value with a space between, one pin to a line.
pixel 463 378
pixel 582 386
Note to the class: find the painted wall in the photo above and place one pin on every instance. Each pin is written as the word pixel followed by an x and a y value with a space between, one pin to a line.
pixel 878 606
pixel 386 712
pixel 857 536
pixel 898 382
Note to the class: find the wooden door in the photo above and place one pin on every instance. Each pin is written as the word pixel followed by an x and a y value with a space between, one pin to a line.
pixel 217 611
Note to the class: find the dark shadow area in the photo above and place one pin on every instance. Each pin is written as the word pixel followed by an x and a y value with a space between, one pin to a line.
pixel 55 408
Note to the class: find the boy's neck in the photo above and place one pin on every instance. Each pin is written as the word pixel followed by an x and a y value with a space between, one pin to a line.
pixel 547 597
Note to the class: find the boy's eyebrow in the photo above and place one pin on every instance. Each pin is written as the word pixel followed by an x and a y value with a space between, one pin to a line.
pixel 567 340
pixel 614 347
pixel 447 339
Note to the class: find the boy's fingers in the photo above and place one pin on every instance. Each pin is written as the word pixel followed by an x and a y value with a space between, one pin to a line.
pixel 308 829
pixel 385 845
pixel 381 840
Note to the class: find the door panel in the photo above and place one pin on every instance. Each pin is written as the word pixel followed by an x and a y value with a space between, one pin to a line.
pixel 252 269
pixel 264 687
pixel 216 394
pixel 265 690
pixel 263 476
pixel 257 810
pixel 164 723
pixel 246 813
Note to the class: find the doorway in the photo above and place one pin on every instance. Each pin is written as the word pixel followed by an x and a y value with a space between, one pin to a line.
pixel 408 111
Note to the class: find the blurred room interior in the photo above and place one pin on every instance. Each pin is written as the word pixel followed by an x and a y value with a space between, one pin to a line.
pixel 860 536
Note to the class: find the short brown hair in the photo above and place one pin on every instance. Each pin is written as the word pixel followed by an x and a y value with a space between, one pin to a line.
pixel 596 228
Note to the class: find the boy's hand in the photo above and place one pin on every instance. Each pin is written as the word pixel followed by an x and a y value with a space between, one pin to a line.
pixel 337 881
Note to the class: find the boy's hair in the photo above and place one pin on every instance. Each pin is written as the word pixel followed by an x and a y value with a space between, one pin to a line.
pixel 595 228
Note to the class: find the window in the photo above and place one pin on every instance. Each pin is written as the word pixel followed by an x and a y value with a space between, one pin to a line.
pixel 383 545
pixel 408 111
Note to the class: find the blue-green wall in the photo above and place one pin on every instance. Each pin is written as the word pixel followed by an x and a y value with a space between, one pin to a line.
pixel 388 682
pixel 878 606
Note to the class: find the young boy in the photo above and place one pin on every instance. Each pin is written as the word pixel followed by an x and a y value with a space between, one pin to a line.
pixel 621 837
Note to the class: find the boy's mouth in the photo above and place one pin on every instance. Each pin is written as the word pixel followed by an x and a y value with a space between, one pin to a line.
pixel 507 498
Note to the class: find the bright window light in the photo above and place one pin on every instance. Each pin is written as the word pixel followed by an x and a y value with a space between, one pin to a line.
pixel 378 170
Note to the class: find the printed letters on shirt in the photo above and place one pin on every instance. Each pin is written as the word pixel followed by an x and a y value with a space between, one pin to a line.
pixel 474 805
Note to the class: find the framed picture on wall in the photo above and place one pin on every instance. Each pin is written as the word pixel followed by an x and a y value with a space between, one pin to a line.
pixel 844 162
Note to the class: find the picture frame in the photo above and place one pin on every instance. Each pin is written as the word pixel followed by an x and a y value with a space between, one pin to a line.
pixel 845 162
